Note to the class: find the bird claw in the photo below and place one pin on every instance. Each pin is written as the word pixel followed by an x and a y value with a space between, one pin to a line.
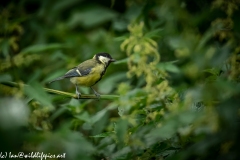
pixel 97 95
pixel 78 95
pixel 77 92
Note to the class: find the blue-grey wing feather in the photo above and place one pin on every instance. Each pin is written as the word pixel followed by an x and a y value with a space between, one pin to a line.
pixel 82 69
pixel 85 72
pixel 76 72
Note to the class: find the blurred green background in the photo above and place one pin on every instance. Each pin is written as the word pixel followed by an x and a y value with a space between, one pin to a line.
pixel 177 75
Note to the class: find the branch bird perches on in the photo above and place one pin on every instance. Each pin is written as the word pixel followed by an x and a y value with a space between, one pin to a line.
pixel 66 94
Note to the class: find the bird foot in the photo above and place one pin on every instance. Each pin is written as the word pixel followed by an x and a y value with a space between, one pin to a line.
pixel 78 95
pixel 97 95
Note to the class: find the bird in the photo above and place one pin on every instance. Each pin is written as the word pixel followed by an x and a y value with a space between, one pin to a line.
pixel 89 72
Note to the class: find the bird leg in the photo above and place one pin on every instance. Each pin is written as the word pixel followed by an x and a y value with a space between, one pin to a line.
pixel 77 92
pixel 97 94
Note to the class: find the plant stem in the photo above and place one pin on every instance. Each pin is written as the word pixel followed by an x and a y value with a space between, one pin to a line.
pixel 66 94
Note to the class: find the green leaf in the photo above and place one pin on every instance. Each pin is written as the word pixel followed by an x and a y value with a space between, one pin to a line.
pixel 154 33
pixel 5 47
pixel 5 77
pixel 84 116
pixel 102 113
pixel 109 83
pixel 213 71
pixel 122 153
pixel 91 16
pixel 121 130
pixel 121 38
pixel 102 135
pixel 168 66
pixel 42 48
pixel 58 113
pixel 36 91
pixel 122 61
pixel 98 116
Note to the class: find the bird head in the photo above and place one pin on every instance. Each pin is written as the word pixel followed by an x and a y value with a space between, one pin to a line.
pixel 104 58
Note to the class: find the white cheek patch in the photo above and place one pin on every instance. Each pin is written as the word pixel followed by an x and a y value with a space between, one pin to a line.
pixel 103 59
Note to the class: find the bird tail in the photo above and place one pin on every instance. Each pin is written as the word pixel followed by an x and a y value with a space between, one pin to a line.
pixel 57 79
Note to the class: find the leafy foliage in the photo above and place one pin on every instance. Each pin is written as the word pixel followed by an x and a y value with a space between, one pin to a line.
pixel 177 78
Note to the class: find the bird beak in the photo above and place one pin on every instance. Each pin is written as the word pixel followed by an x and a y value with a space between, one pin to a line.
pixel 112 60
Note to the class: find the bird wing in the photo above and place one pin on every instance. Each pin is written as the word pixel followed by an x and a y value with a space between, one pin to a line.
pixel 76 72
pixel 82 69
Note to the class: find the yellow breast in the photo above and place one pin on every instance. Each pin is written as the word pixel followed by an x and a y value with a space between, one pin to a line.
pixel 90 79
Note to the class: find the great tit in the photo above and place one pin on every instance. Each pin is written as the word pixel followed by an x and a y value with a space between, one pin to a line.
pixel 89 72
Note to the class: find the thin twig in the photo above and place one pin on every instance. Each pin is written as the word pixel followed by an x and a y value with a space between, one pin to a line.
pixel 66 94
